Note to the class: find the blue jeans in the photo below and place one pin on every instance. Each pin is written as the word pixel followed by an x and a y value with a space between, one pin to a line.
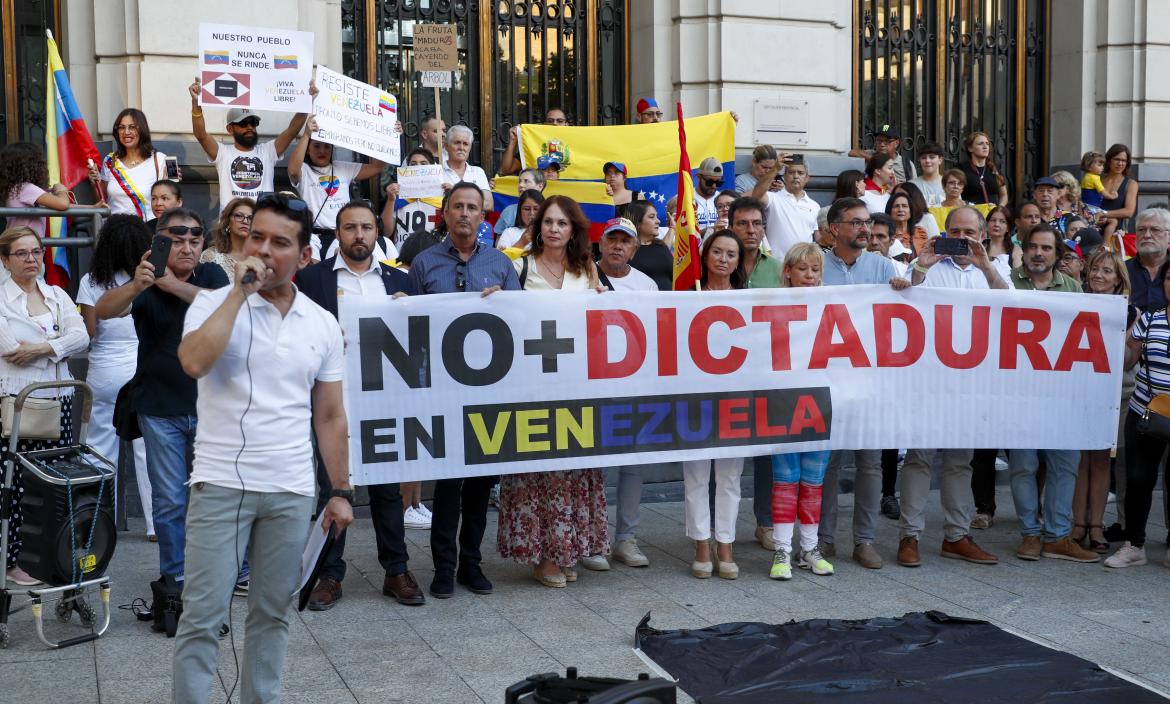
pixel 1059 483
pixel 170 442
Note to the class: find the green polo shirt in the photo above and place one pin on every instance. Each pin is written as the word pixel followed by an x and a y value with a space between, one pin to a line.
pixel 767 272
pixel 1060 282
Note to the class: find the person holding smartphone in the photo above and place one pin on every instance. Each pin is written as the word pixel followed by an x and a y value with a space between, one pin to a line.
pixel 127 174
pixel 157 298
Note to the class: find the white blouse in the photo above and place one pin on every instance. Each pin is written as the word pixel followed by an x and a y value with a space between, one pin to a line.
pixel 64 331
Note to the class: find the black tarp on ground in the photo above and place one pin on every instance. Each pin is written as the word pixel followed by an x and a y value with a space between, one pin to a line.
pixel 920 658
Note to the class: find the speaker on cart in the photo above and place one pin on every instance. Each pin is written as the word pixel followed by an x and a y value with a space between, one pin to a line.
pixel 49 545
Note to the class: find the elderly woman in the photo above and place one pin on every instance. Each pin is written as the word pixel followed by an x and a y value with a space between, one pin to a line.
pixel 39 330
pixel 130 171
pixel 552 520
pixel 722 270
pixel 228 235
pixel 456 169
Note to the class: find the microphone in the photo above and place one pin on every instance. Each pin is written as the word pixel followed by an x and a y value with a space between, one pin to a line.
pixel 249 277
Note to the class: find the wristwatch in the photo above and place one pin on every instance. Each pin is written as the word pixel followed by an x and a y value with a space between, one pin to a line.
pixel 346 494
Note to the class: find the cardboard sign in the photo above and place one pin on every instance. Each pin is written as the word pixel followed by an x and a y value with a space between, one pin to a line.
pixel 435 48
pixel 356 116
pixel 255 67
pixel 435 79
pixel 420 181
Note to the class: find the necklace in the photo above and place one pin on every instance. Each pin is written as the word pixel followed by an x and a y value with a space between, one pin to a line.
pixel 560 279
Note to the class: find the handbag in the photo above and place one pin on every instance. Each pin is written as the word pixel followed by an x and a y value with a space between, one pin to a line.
pixel 1155 420
pixel 40 418
pixel 126 413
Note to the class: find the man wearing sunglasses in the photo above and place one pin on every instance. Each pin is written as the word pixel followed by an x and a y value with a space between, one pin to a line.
pixel 707 185
pixel 246 166
pixel 164 395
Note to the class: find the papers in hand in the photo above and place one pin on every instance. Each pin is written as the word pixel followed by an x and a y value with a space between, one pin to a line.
pixel 319 539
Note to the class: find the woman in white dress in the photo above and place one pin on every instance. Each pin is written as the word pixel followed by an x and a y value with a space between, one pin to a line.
pixel 128 173
pixel 113 350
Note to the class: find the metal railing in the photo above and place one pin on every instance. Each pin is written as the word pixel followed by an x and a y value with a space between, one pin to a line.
pixel 88 220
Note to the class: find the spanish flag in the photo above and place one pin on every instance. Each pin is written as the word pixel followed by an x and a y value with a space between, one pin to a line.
pixel 687 268
pixel 68 149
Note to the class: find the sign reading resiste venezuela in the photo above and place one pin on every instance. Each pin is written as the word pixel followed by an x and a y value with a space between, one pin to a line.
pixel 356 116
pixel 460 385
pixel 255 67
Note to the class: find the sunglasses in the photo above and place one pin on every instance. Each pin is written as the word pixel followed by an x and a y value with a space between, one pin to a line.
pixel 282 200
pixel 252 122
pixel 461 276
pixel 180 230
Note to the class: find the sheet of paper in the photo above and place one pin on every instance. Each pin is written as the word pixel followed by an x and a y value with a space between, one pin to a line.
pixel 420 181
pixel 317 537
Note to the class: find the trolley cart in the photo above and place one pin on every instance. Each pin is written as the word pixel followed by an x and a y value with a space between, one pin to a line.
pixel 69 559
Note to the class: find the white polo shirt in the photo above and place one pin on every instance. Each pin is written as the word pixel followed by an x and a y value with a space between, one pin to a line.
pixel 288 356
pixel 947 274
pixel 788 220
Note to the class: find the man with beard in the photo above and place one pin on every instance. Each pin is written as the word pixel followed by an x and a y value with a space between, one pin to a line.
pixel 245 167
pixel 353 272
pixel 1045 535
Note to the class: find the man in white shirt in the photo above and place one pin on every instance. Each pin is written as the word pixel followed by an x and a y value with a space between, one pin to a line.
pixel 790 215
pixel 706 191
pixel 930 182
pixel 269 364
pixel 456 168
pixel 973 271
pixel 245 167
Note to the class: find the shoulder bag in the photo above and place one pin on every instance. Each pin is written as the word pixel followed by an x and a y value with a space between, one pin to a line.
pixel 40 418
pixel 1155 420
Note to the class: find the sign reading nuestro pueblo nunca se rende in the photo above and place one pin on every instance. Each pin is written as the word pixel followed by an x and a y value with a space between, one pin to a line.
pixel 255 67
pixel 459 385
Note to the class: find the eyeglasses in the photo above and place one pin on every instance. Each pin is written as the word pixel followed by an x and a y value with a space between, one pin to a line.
pixel 855 223
pixel 180 230
pixel 126 128
pixel 241 217
pixel 252 122
pixel 461 276
pixel 1152 230
pixel 651 113
pixel 27 254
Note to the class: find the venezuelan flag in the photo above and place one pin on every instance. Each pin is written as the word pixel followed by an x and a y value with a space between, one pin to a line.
pixel 647 151
pixel 590 195
pixel 687 268
pixel 289 61
pixel 68 149
pixel 216 57
pixel 388 103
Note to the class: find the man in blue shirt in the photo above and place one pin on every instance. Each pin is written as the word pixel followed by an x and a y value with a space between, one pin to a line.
pixel 461 263
pixel 849 263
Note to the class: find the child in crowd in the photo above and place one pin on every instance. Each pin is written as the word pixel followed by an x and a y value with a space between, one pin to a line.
pixel 1093 192
pixel 797 476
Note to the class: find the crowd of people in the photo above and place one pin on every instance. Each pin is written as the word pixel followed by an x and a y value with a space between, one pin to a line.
pixel 173 336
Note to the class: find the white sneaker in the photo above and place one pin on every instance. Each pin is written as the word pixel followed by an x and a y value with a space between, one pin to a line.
pixel 1127 556
pixel 627 553
pixel 423 511
pixel 597 563
pixel 413 519
pixel 813 560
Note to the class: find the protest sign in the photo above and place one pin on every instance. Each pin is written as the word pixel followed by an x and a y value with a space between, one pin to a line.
pixel 356 116
pixel 255 67
pixel 435 48
pixel 435 79
pixel 460 385
pixel 420 181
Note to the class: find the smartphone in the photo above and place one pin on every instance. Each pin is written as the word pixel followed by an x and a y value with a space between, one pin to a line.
pixel 160 252
pixel 172 168
pixel 952 246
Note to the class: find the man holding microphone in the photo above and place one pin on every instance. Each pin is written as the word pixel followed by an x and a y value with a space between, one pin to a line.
pixel 268 362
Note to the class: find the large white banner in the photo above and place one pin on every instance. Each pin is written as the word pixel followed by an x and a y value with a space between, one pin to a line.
pixel 459 385
pixel 255 67
pixel 357 116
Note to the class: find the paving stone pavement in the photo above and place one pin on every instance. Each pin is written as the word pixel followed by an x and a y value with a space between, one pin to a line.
pixel 470 648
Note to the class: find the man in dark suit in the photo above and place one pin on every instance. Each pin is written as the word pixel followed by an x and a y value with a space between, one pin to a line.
pixel 353 272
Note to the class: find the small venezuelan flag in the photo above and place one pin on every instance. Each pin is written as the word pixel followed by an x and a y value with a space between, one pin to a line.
pixel 216 57
pixel 284 61
pixel 386 102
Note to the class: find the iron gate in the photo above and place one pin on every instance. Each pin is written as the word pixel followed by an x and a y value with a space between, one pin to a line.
pixel 518 59
pixel 940 69
pixel 22 60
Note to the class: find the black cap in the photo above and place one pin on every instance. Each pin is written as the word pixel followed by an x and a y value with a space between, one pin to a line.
pixel 1047 181
pixel 1088 239
pixel 890 131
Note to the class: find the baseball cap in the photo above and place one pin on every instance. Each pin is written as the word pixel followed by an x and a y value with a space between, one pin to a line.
pixel 550 161
pixel 890 131
pixel 1088 240
pixel 646 103
pixel 619 225
pixel 897 249
pixel 236 114
pixel 711 167
pixel 617 165
pixel 1047 181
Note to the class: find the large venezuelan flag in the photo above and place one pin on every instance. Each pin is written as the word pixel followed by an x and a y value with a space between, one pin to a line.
pixel 68 149
pixel 648 152
pixel 590 195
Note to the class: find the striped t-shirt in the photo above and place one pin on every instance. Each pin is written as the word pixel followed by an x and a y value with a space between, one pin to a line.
pixel 1153 329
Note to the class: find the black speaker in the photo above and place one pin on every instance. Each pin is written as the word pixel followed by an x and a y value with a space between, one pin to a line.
pixel 49 547
pixel 550 688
